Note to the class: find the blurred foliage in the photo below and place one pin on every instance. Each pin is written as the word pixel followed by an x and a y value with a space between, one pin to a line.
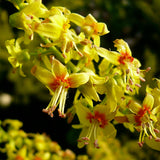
pixel 137 22
pixel 19 145
pixel 16 144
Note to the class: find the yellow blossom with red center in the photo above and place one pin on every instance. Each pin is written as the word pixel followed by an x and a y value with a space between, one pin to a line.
pixel 144 118
pixel 125 57
pixel 141 113
pixel 94 123
pixel 127 66
pixel 58 81
pixel 90 26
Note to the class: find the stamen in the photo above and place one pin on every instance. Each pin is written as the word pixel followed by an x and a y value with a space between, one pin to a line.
pixel 138 85
pixel 123 98
pixel 127 71
pixel 138 70
pixel 148 69
pixel 96 145
pixel 45 111
pixel 142 79
pixel 95 129
pixel 50 112
pixel 151 129
pixel 157 139
pixel 62 102
pixel 130 89
pixel 90 131
pixel 86 143
pixel 85 138
pixel 63 54
pixel 56 95
pixel 61 115
pixel 150 137
pixel 130 81
pixel 77 50
pixel 156 130
pixel 127 87
pixel 140 144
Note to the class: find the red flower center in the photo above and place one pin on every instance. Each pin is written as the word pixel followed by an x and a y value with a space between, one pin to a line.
pixel 19 158
pixel 125 57
pixel 141 113
pixel 98 117
pixel 59 81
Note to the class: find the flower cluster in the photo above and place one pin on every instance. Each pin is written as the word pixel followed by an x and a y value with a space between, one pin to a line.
pixel 19 145
pixel 67 56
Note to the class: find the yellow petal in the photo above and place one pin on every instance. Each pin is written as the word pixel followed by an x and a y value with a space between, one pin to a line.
pixel 42 75
pixel 58 69
pixel 122 46
pixel 78 79
pixel 102 29
pixel 111 56
pixel 89 91
pixel 134 106
pixel 76 18
pixel 148 101
pixel 82 113
pixel 109 131
pixel 49 30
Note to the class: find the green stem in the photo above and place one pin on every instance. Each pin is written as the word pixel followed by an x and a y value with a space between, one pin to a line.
pixel 59 56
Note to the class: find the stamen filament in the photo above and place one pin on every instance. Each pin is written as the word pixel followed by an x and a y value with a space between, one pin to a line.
pixel 62 101
pixel 55 98
pixel 90 131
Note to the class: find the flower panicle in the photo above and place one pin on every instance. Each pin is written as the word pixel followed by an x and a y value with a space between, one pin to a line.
pixel 105 81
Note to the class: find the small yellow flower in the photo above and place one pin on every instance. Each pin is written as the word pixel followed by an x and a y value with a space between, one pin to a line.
pixel 144 118
pixel 18 56
pixel 127 66
pixel 94 123
pixel 90 26
pixel 58 81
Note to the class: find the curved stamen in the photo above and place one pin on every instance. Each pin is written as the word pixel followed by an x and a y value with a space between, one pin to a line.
pixel 62 102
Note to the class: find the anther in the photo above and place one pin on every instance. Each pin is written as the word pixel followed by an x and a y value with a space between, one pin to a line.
pixel 140 144
pixel 127 87
pixel 86 143
pixel 51 115
pixel 127 71
pixel 96 145
pixel 148 69
pixel 122 98
pixel 45 110
pixel 130 89
pixel 64 55
pixel 138 70
pixel 85 138
pixel 138 85
pixel 142 79
pixel 130 81
pixel 156 130
pixel 80 53
pixel 157 139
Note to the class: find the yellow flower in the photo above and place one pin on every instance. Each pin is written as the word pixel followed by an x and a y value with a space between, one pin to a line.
pixel 144 118
pixel 127 66
pixel 58 81
pixel 89 26
pixel 94 123
pixel 29 13
pixel 18 56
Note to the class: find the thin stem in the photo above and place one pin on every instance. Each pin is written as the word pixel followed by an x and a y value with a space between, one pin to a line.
pixel 59 56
